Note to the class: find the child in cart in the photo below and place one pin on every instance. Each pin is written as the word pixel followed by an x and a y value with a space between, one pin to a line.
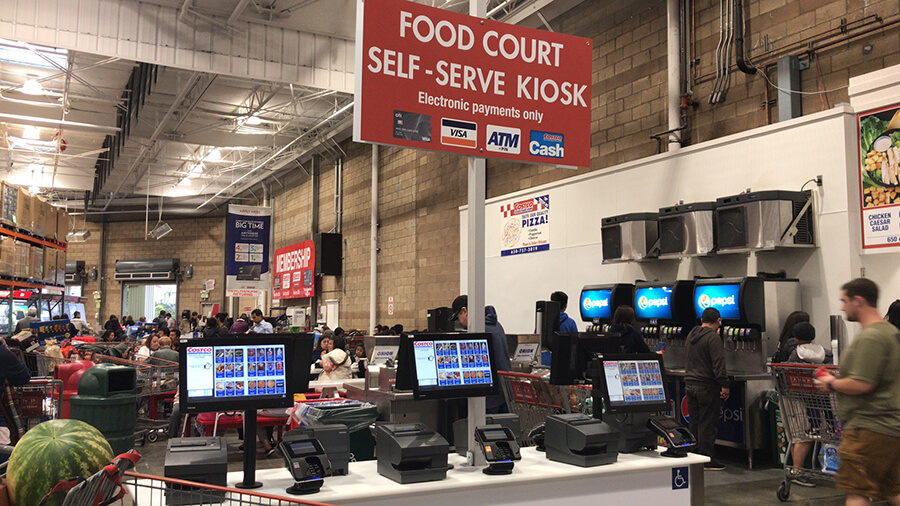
pixel 806 352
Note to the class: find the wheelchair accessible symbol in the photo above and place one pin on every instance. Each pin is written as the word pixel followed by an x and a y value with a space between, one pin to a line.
pixel 680 478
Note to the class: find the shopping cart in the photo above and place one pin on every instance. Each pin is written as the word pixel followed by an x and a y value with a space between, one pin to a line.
pixel 40 364
pixel 157 383
pixel 37 401
pixel 155 490
pixel 533 399
pixel 809 415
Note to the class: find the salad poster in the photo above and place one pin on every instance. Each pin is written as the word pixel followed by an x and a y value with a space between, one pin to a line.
pixel 879 163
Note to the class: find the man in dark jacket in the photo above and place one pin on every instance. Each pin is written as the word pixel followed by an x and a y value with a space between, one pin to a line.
pixel 13 371
pixel 566 324
pixel 495 403
pixel 706 383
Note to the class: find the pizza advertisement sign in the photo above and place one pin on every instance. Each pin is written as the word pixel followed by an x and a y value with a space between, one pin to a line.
pixel 525 226
pixel 433 79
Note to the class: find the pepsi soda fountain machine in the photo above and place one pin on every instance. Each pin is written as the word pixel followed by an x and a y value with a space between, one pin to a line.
pixel 598 304
pixel 665 315
pixel 752 311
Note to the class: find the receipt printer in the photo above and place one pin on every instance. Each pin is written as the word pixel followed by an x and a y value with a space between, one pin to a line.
pixel 199 459
pixel 306 460
pixel 580 440
pixel 335 440
pixel 410 452
pixel 508 420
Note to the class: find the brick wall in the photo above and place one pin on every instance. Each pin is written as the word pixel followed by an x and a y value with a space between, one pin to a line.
pixel 419 192
pixel 197 242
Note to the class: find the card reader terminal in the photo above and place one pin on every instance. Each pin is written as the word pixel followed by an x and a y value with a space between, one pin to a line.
pixel 307 462
pixel 679 440
pixel 499 446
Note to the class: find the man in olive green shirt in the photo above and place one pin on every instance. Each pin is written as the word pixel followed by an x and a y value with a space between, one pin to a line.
pixel 868 394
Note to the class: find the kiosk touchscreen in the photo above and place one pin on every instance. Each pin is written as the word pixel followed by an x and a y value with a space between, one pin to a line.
pixel 453 365
pixel 243 372
pixel 633 383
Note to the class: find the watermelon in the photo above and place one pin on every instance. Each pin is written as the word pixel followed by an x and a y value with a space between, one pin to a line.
pixel 53 451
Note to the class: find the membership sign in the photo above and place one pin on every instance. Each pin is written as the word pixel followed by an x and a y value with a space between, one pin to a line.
pixel 433 79
pixel 247 250
pixel 294 271
pixel 525 226
pixel 879 158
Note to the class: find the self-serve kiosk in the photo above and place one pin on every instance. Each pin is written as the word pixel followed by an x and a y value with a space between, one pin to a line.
pixel 665 315
pixel 752 311
pixel 598 303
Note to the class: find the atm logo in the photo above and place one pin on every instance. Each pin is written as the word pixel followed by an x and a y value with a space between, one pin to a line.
pixel 504 140
pixel 645 303
pixel 463 134
pixel 594 304
pixel 705 301
pixel 550 145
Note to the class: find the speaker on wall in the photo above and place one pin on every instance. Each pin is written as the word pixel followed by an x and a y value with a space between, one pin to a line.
pixel 329 254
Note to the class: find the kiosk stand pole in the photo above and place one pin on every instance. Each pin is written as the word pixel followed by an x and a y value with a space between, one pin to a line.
pixel 249 451
pixel 477 188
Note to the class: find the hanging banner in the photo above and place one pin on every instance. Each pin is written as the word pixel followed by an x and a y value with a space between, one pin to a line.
pixel 294 271
pixel 433 79
pixel 879 159
pixel 525 226
pixel 247 250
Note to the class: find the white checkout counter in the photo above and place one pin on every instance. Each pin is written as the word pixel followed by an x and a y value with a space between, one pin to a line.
pixel 636 479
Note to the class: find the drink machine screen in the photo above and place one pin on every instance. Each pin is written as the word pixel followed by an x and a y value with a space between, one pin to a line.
pixel 653 303
pixel 596 305
pixel 725 298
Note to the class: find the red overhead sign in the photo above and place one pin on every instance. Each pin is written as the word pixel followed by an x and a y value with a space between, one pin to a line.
pixel 433 79
pixel 294 271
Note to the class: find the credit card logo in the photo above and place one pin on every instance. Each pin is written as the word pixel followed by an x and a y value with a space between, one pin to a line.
pixel 504 139
pixel 463 134
pixel 546 144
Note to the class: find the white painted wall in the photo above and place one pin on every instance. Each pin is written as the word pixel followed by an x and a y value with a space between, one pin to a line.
pixel 781 156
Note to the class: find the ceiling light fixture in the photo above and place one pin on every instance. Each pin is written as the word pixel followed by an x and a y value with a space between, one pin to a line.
pixel 214 156
pixel 184 182
pixel 78 236
pixel 160 231
pixel 32 133
pixel 253 120
pixel 32 87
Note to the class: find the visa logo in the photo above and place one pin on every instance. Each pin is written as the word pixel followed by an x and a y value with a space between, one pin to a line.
pixel 504 139
pixel 463 134
pixel 550 145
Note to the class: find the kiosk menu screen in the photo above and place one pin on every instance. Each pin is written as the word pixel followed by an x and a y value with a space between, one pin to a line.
pixel 653 303
pixel 596 304
pixel 722 297
pixel 634 383
pixel 235 371
pixel 453 365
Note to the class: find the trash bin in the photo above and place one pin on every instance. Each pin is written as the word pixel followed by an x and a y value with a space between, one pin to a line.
pixel 356 415
pixel 107 399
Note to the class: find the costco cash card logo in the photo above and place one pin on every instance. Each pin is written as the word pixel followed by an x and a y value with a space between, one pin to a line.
pixel 504 139
pixel 463 134
pixel 546 144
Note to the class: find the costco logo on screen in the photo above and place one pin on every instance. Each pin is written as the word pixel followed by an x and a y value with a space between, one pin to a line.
pixel 546 144
pixel 463 134
pixel 504 139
